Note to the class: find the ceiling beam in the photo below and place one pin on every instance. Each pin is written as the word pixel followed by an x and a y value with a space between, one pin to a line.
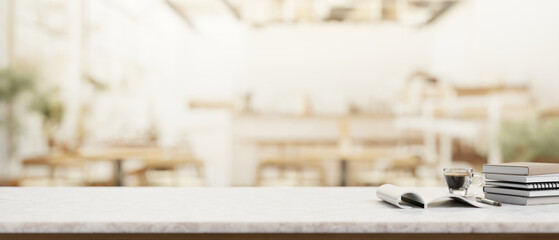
pixel 234 9
pixel 181 13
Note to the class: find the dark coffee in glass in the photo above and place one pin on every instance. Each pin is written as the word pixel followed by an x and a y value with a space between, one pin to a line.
pixel 459 180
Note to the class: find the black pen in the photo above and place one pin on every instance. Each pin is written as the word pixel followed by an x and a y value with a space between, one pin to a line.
pixel 488 201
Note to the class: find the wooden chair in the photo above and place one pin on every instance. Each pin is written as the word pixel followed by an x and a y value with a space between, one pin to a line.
pixel 99 173
pixel 290 172
pixel 292 162
pixel 30 167
pixel 374 169
pixel 176 171
pixel 57 170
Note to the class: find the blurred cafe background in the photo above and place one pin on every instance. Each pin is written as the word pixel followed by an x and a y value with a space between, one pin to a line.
pixel 273 92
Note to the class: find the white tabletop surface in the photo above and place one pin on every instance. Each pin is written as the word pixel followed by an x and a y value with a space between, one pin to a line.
pixel 250 210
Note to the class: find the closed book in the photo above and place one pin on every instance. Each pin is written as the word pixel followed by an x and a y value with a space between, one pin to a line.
pixel 522 192
pixel 543 185
pixel 523 179
pixel 522 168
pixel 519 200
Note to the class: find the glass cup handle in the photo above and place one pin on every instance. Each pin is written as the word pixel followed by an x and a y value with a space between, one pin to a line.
pixel 477 180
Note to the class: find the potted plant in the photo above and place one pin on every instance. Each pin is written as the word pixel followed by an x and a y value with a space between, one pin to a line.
pixel 13 84
pixel 537 140
pixel 51 109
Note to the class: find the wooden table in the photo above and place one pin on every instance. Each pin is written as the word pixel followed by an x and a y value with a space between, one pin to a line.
pixel 253 213
pixel 117 156
pixel 343 152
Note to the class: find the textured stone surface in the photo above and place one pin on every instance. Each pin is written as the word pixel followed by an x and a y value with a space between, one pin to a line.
pixel 250 210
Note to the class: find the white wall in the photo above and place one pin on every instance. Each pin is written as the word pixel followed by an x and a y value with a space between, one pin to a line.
pixel 3 64
pixel 476 42
pixel 500 41
pixel 3 33
pixel 333 64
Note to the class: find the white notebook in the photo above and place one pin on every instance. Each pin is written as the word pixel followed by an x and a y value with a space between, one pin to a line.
pixel 522 200
pixel 523 179
pixel 405 198
pixel 522 168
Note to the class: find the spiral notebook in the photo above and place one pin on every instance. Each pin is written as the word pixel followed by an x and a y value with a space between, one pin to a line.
pixel 530 186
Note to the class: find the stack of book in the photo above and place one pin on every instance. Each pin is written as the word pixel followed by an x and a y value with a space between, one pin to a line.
pixel 523 183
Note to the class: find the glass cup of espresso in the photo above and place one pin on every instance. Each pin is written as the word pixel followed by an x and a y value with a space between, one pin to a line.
pixel 460 179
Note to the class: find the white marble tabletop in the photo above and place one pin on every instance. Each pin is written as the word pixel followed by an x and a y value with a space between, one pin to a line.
pixel 250 210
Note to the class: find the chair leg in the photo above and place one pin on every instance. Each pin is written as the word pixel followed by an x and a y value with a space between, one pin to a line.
pixel 200 172
pixel 52 173
pixel 259 175
pixel 142 178
pixel 300 176
pixel 322 175
pixel 176 177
